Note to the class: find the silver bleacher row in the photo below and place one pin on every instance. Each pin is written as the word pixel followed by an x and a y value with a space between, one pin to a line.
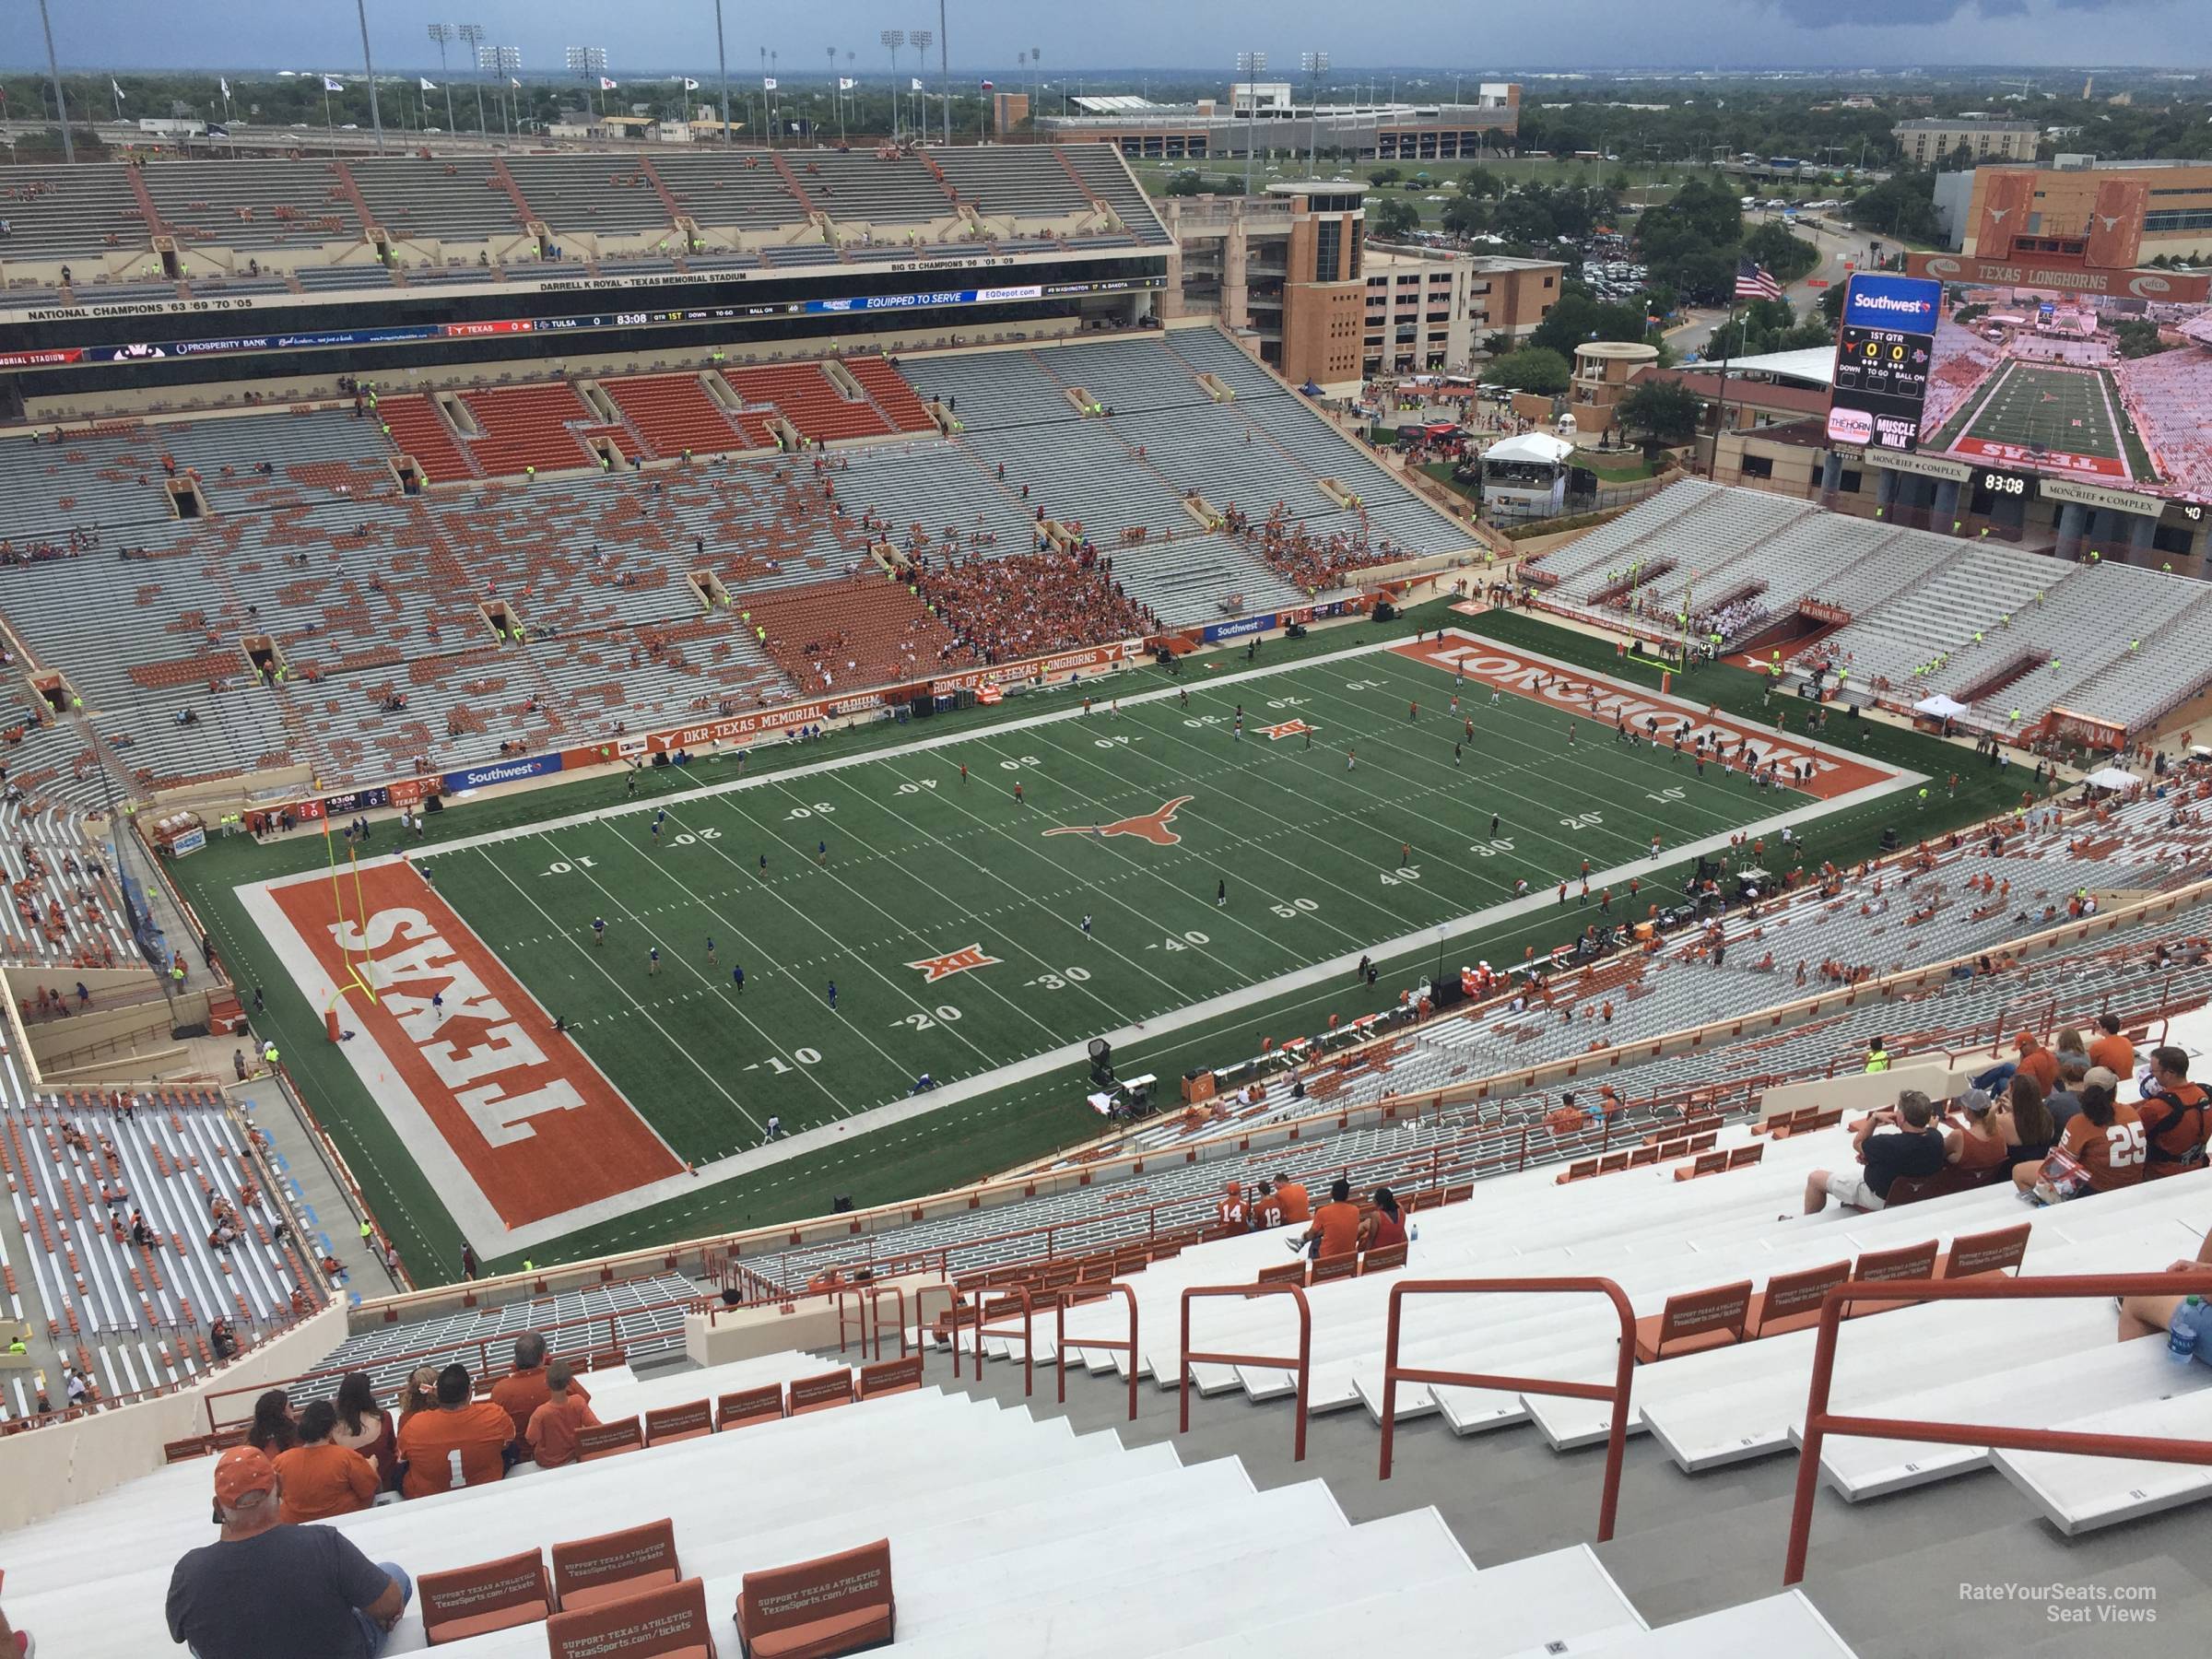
pixel 388 1352
pixel 273 206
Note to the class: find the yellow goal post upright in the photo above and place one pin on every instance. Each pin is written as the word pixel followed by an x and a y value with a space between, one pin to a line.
pixel 1670 657
pixel 353 979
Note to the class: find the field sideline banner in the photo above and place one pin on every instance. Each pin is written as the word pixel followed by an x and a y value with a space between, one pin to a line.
pixel 1237 629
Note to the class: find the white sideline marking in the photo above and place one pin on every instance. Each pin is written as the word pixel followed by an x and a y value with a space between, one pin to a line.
pixel 480 1222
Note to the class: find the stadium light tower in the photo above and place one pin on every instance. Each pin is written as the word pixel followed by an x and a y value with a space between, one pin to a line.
pixel 471 35
pixel 61 99
pixel 442 33
pixel 585 61
pixel 944 71
pixel 892 40
pixel 921 38
pixel 506 61
pixel 1251 65
pixel 1315 64
pixel 722 65
pixel 376 116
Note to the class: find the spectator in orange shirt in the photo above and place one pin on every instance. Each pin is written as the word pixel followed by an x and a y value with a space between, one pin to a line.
pixel 321 1478
pixel 2038 1062
pixel 552 1431
pixel 1336 1229
pixel 2111 1050
pixel 1290 1197
pixel 461 1443
pixel 524 1390
pixel 1230 1210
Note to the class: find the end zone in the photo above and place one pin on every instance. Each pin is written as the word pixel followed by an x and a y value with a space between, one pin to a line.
pixel 511 1121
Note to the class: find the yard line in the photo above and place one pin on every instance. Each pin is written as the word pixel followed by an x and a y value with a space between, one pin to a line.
pixel 1604 831
pixel 1132 867
pixel 656 1025
pixel 1523 718
pixel 721 989
pixel 1034 902
pixel 905 930
pixel 1243 843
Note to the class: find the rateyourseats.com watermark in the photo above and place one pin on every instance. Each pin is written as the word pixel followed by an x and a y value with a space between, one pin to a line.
pixel 2109 1604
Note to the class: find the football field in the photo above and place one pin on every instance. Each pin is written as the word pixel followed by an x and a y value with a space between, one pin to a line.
pixel 579 1016
pixel 2065 418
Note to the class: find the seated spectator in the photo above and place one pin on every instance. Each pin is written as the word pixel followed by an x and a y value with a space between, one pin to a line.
pixel 2154 1315
pixel 551 1431
pixel 2110 1049
pixel 266 1589
pixel 2065 1101
pixel 1263 1212
pixel 2024 1121
pixel 1897 1140
pixel 1336 1229
pixel 1975 1143
pixel 1385 1226
pixel 272 1430
pixel 1290 1197
pixel 461 1442
pixel 524 1390
pixel 421 1393
pixel 2176 1116
pixel 318 1478
pixel 2105 1138
pixel 15 1644
pixel 367 1427
pixel 1229 1209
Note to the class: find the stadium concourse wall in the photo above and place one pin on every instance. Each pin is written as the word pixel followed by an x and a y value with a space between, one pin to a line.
pixel 709 1258
pixel 77 1460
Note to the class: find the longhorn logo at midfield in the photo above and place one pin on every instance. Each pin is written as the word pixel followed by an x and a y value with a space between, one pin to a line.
pixel 1151 826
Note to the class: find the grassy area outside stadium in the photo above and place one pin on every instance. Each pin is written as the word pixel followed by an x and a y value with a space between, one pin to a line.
pixel 907 867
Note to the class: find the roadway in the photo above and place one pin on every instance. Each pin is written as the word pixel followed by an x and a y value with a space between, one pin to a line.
pixel 1841 251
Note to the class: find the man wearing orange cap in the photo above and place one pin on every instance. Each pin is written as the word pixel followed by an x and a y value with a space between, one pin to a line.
pixel 266 1591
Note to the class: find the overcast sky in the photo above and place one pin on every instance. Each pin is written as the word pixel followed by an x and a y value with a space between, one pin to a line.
pixel 986 34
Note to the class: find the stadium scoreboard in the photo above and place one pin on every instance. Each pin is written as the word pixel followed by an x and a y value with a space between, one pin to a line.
pixel 1883 352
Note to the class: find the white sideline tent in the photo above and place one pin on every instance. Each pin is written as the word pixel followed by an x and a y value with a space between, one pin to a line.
pixel 2113 778
pixel 1939 707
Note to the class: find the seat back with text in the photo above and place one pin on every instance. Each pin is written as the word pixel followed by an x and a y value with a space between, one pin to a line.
pixel 590 1571
pixel 763 1405
pixel 890 1376
pixel 820 1394
pixel 609 1440
pixel 491 1596
pixel 1991 1252
pixel 839 1604
pixel 1791 1300
pixel 668 1623
pixel 1878 1266
pixel 1695 1320
pixel 688 1421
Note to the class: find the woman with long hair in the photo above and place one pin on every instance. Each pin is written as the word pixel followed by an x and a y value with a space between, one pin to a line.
pixel 1386 1226
pixel 2024 1124
pixel 421 1393
pixel 365 1427
pixel 272 1430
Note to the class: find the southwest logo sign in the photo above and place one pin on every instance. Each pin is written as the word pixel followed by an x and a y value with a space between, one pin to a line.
pixel 959 961
pixel 1151 826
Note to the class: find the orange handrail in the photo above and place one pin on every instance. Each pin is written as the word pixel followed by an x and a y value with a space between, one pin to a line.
pixel 1820 1422
pixel 1060 1339
pixel 983 1304
pixel 952 1312
pixel 1617 1435
pixel 871 1315
pixel 1303 1362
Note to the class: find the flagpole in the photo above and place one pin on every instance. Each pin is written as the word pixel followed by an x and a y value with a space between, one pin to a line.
pixel 330 129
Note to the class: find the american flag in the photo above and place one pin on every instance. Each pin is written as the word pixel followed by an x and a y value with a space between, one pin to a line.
pixel 1755 282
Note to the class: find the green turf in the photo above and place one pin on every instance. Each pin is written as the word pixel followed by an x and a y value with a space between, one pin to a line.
pixel 2070 410
pixel 874 867
pixel 997 1130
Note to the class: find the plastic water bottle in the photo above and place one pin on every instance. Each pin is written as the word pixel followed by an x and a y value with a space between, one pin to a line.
pixel 1413 1234
pixel 2181 1337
